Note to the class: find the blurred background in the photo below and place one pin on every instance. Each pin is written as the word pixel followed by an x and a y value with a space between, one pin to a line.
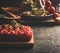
pixel 17 2
pixel 10 3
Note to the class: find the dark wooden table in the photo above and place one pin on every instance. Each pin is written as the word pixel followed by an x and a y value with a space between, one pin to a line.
pixel 47 39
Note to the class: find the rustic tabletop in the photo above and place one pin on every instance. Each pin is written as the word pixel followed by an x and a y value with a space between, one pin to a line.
pixel 47 39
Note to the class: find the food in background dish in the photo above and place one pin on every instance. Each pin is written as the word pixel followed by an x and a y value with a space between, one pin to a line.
pixel 51 9
pixel 36 12
pixel 31 9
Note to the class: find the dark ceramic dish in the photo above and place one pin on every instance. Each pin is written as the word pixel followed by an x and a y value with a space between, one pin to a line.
pixel 37 18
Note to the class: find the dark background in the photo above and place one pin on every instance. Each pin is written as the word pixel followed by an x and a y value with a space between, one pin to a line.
pixel 17 2
pixel 6 3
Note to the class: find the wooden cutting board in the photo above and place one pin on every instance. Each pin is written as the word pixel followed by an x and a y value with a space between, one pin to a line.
pixel 28 44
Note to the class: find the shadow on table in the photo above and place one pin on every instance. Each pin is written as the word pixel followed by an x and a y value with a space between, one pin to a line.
pixel 40 24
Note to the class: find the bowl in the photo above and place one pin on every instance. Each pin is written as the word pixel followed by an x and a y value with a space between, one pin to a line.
pixel 37 18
